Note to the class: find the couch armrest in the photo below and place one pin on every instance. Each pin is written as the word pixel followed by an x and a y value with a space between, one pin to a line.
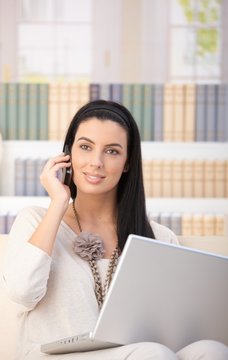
pixel 8 324
pixel 214 244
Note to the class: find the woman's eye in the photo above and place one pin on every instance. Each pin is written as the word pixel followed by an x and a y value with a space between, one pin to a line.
pixel 112 151
pixel 84 147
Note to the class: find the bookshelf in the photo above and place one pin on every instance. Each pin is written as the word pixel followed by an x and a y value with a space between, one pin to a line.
pixel 13 149
pixel 185 150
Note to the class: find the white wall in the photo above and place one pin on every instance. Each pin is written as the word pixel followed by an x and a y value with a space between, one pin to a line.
pixel 130 40
pixel 8 40
pixel 155 44
pixel 225 41
pixel 106 40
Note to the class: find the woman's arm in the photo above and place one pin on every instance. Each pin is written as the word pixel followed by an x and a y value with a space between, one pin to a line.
pixel 27 260
pixel 45 233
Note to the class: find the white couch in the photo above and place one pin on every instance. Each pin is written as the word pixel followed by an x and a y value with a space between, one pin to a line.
pixel 8 330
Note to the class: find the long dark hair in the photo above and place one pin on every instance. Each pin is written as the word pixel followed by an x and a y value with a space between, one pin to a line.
pixel 132 217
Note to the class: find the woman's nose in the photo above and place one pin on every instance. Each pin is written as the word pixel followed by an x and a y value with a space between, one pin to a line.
pixel 96 161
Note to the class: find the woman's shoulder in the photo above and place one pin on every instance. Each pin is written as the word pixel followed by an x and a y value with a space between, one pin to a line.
pixel 32 211
pixel 30 214
pixel 163 233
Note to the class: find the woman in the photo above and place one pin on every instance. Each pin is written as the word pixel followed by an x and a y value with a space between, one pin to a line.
pixel 57 268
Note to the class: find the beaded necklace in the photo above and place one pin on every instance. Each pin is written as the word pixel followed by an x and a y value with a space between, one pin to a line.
pixel 90 247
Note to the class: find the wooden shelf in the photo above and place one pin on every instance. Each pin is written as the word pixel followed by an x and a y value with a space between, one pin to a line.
pixel 150 150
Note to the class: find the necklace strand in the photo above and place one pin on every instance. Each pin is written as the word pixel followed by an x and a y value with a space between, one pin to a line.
pixel 100 291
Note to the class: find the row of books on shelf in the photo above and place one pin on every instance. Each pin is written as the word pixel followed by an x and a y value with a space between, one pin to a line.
pixel 6 221
pixel 163 112
pixel 24 111
pixel 181 224
pixel 192 224
pixel 39 111
pixel 162 178
pixel 172 112
pixel 27 177
pixel 186 178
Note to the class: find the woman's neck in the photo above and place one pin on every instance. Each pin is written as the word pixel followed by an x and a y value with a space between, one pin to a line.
pixel 96 209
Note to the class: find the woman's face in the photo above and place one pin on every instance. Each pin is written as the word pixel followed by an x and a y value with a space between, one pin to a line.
pixel 99 156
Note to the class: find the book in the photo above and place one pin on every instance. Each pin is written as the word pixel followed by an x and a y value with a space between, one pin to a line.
pixel 186 224
pixel 148 113
pixel 10 217
pixel 74 98
pixel 178 112
pixel 94 92
pixel 220 225
pixel 39 189
pixel 4 110
pixel 117 93
pixel 176 223
pixel 19 177
pixel 209 178
pixel 221 120
pixel 177 178
pixel 168 117
pixel 156 178
pixel 211 112
pixel 187 178
pixel 127 96
pixel 12 118
pixel 189 112
pixel 105 91
pixel 226 178
pixel 53 112
pixel 198 178
pixel 197 225
pixel 83 93
pixel 43 112
pixel 64 109
pixel 158 112
pixel 33 111
pixel 208 225
pixel 167 181
pixel 2 222
pixel 137 106
pixel 30 177
pixel 220 181
pixel 147 177
pixel 200 117
pixel 23 115
pixel 226 111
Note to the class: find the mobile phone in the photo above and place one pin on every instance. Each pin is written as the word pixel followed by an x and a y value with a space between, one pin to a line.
pixel 67 172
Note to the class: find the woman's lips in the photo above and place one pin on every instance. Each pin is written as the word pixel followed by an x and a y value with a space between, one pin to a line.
pixel 94 178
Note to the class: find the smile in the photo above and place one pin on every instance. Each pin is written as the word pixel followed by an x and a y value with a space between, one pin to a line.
pixel 94 178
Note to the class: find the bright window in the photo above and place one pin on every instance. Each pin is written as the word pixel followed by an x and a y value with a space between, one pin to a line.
pixel 195 40
pixel 55 39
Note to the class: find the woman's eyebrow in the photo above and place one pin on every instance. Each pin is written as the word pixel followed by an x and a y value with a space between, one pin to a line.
pixel 86 139
pixel 92 142
pixel 114 144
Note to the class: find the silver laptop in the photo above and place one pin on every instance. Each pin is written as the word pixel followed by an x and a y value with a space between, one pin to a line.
pixel 160 292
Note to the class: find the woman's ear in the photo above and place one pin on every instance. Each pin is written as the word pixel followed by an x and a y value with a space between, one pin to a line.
pixel 126 168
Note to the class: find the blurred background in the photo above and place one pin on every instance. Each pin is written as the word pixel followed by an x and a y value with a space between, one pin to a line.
pixel 165 60
pixel 145 41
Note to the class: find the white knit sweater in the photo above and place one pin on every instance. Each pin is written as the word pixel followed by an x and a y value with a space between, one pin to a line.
pixel 55 295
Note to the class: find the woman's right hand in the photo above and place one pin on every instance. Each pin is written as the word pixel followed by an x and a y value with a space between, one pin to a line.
pixel 50 181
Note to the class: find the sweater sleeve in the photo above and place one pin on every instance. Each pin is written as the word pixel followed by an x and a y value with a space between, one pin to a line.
pixel 163 233
pixel 26 267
